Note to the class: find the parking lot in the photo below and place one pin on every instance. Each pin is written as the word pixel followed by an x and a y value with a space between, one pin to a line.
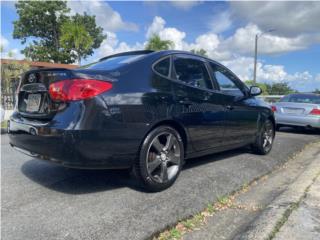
pixel 45 201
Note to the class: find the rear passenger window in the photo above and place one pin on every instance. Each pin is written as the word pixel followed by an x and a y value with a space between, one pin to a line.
pixel 192 72
pixel 163 67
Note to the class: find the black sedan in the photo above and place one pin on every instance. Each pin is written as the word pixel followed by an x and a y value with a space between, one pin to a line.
pixel 143 110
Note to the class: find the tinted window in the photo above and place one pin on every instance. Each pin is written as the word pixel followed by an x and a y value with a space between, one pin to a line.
pixel 226 81
pixel 191 71
pixel 114 62
pixel 163 67
pixel 302 98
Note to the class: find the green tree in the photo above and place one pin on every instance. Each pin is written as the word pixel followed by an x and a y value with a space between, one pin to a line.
pixel 10 74
pixel 282 88
pixel 156 43
pixel 77 38
pixel 89 22
pixel 316 91
pixel 200 52
pixel 40 22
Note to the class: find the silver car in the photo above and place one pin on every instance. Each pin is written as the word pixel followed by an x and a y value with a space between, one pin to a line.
pixel 300 109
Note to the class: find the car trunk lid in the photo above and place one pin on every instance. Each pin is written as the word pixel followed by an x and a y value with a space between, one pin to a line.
pixel 34 100
pixel 297 109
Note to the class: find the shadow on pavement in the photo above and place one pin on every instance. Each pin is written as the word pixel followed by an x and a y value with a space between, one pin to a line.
pixel 76 181
pixel 80 181
pixel 194 162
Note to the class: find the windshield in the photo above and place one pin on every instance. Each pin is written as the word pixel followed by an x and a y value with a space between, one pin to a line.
pixel 302 98
pixel 113 62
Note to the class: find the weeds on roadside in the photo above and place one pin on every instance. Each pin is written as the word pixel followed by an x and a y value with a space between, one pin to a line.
pixel 196 221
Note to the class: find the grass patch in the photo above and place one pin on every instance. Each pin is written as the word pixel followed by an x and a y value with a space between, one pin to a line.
pixel 4 124
pixel 195 222
pixel 210 208
pixel 245 187
pixel 223 200
pixel 283 219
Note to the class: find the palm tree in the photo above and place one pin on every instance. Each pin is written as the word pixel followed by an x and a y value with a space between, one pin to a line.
pixel 200 52
pixel 155 43
pixel 77 38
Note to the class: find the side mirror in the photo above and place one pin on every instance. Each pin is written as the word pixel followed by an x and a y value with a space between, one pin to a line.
pixel 255 91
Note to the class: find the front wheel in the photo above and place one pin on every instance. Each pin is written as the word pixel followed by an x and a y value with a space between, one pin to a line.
pixel 160 160
pixel 265 138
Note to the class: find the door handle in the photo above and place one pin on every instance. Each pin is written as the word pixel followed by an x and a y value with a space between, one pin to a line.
pixel 229 107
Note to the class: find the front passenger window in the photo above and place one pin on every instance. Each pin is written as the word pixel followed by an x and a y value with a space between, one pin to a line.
pixel 226 82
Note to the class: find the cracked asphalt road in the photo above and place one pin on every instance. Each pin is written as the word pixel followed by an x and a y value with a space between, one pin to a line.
pixel 45 201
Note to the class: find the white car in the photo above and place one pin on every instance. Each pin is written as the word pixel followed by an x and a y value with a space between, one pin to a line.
pixel 299 109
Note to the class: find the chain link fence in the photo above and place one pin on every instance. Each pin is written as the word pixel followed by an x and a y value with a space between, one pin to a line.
pixel 8 95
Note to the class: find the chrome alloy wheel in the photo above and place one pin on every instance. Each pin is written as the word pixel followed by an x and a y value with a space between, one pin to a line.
pixel 163 157
pixel 268 136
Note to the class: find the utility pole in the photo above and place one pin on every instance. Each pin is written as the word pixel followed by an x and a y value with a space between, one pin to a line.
pixel 255 60
pixel 256 54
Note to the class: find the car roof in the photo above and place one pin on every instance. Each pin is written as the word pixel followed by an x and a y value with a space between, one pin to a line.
pixel 140 52
pixel 154 54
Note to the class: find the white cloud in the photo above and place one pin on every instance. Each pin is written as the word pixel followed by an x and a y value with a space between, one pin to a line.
pixel 220 22
pixel 211 43
pixel 173 35
pixel 4 42
pixel 243 68
pixel 289 18
pixel 7 52
pixel 243 41
pixel 13 54
pixel 232 51
pixel 158 27
pixel 208 41
pixel 106 17
pixel 185 5
pixel 112 45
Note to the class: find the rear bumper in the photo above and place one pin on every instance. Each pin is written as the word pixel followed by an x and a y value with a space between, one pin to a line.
pixel 90 149
pixel 305 121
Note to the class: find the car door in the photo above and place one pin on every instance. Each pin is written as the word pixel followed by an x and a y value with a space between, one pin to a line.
pixel 199 109
pixel 241 119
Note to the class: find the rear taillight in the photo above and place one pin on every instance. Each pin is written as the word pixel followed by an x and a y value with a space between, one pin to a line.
pixel 315 111
pixel 273 108
pixel 77 89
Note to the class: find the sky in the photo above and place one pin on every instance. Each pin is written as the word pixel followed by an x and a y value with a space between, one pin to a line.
pixel 226 30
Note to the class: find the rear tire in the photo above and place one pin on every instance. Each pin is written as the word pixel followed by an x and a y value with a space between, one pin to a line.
pixel 160 160
pixel 265 138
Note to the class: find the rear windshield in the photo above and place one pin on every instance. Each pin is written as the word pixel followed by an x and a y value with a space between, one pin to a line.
pixel 113 62
pixel 302 98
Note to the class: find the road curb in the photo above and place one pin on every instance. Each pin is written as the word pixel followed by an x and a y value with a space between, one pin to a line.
pixel 265 226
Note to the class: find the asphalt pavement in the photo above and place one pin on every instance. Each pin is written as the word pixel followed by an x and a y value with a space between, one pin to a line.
pixel 41 200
